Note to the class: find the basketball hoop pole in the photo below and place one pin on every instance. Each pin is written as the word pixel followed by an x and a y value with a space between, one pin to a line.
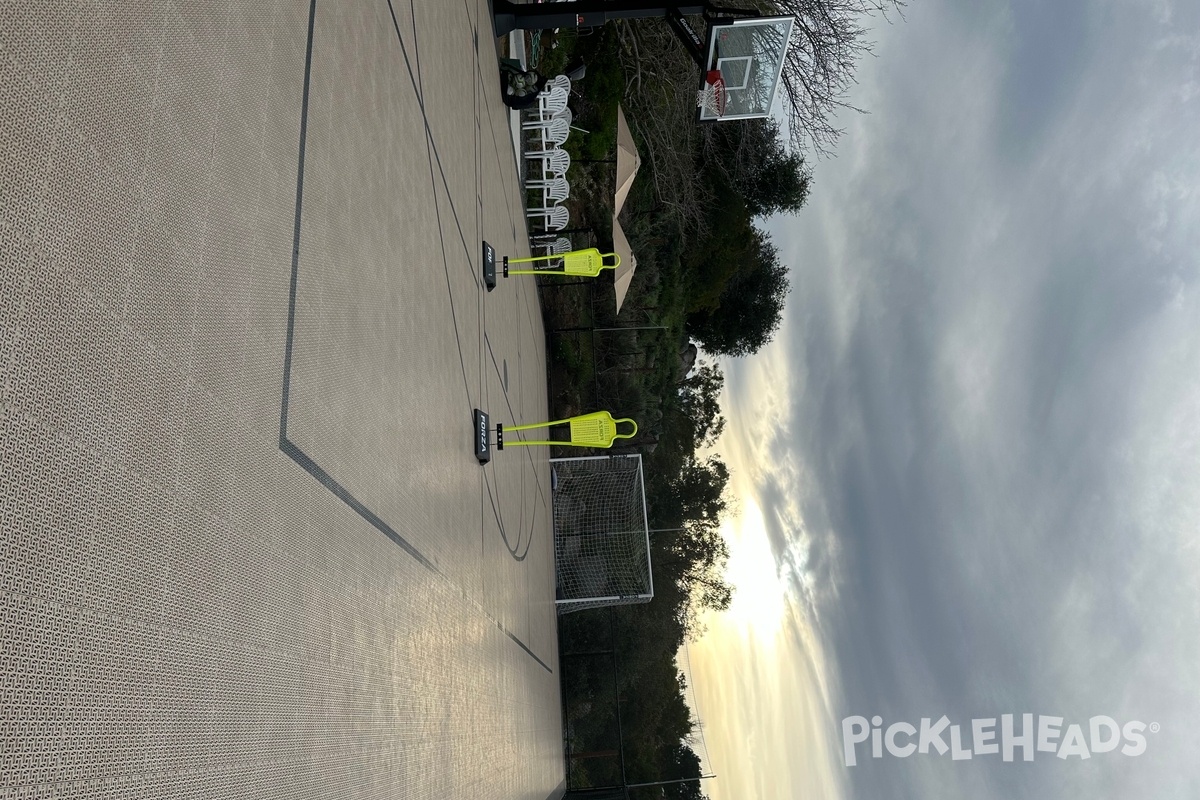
pixel 509 16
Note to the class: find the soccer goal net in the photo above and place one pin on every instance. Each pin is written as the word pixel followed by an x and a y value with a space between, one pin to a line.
pixel 601 538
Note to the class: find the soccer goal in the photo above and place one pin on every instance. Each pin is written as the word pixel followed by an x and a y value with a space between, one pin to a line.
pixel 601 538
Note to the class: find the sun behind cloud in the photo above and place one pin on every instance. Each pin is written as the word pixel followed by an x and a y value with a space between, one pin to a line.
pixel 761 675
pixel 760 683
pixel 759 600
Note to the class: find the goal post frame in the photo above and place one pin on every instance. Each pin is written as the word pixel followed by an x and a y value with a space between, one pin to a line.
pixel 563 604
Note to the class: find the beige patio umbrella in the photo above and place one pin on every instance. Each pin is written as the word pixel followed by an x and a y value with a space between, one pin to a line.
pixel 628 162
pixel 624 273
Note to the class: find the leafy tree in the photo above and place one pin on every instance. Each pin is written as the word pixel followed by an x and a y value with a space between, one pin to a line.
pixel 695 557
pixel 750 306
pixel 699 399
pixel 754 158
pixel 772 179
pixel 682 762
pixel 699 490
pixel 727 247
pixel 704 578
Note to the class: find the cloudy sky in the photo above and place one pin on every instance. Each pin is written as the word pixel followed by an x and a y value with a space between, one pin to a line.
pixel 969 466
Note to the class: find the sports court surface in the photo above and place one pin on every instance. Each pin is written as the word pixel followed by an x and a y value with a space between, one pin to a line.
pixel 246 550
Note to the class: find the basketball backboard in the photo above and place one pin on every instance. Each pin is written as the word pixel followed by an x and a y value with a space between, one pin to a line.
pixel 749 54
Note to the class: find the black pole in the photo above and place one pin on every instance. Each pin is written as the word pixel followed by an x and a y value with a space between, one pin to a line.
pixel 612 628
pixel 511 16
pixel 617 328
pixel 596 373
pixel 666 783
pixel 687 36
pixel 608 652
pixel 563 232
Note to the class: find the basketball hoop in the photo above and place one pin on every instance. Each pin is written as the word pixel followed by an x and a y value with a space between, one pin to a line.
pixel 712 97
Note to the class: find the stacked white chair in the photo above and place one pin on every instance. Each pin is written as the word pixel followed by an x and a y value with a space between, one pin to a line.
pixel 551 122
pixel 553 218
pixel 551 105
pixel 560 82
pixel 556 246
pixel 553 131
pixel 551 102
pixel 552 247
pixel 554 190
pixel 555 161
pixel 553 98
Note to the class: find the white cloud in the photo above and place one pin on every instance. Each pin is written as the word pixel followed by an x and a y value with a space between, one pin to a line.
pixel 988 382
pixel 767 724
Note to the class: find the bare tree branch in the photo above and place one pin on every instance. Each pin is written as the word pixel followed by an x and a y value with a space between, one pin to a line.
pixel 828 39
pixel 662 113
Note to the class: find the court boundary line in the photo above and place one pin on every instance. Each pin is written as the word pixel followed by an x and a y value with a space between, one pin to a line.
pixel 286 445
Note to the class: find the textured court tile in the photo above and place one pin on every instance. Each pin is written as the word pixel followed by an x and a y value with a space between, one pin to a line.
pixel 373 310
pixel 187 609
pixel 449 91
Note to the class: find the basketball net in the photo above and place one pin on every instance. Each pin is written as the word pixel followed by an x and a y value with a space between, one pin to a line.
pixel 711 98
